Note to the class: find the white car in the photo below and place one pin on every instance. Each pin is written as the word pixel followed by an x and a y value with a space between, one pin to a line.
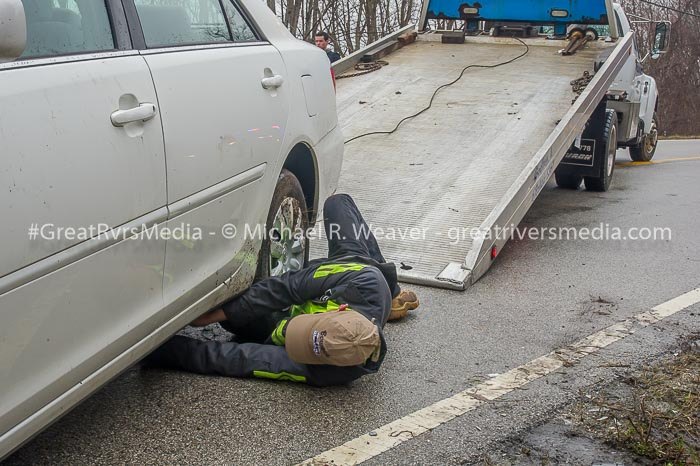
pixel 142 146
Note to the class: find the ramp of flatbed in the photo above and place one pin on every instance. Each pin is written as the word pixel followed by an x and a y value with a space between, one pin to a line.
pixel 444 172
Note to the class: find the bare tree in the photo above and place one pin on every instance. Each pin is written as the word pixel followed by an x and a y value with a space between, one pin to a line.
pixel 351 23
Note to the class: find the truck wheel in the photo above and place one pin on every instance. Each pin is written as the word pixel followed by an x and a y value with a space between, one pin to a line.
pixel 646 149
pixel 609 139
pixel 567 181
pixel 285 246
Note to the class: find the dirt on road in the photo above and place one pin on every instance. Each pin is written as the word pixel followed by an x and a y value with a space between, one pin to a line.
pixel 643 416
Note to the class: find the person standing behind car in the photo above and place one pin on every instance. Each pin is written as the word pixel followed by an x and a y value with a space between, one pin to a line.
pixel 322 40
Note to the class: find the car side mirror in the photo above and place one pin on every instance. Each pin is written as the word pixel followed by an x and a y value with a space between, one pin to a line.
pixel 661 40
pixel 13 30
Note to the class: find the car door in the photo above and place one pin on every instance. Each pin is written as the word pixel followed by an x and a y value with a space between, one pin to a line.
pixel 224 104
pixel 77 159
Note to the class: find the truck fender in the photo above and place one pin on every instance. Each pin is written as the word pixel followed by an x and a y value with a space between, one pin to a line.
pixel 649 101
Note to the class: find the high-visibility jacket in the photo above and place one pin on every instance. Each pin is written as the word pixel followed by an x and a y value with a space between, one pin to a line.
pixel 260 314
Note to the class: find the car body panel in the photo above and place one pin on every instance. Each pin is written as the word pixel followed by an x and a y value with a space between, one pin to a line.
pixel 218 121
pixel 77 314
pixel 222 130
pixel 50 324
pixel 41 124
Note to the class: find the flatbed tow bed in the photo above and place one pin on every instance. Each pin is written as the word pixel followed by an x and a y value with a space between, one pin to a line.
pixel 477 160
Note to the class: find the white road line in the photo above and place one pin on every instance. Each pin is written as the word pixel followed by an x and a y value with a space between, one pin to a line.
pixel 395 433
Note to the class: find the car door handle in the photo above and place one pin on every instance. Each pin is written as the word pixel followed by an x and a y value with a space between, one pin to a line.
pixel 273 82
pixel 143 112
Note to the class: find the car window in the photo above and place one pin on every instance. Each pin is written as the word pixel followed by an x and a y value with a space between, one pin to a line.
pixel 168 23
pixel 64 27
pixel 241 30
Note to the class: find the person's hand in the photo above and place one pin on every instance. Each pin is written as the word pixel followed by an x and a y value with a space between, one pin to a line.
pixel 211 317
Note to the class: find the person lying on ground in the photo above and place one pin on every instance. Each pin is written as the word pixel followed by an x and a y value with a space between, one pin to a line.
pixel 322 325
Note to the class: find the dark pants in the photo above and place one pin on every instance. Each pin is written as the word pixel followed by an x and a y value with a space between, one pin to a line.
pixel 349 235
pixel 346 230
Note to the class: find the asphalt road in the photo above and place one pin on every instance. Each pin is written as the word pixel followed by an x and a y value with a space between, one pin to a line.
pixel 538 296
pixel 678 148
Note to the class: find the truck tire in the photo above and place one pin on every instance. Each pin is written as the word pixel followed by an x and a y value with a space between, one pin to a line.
pixel 645 150
pixel 608 138
pixel 285 245
pixel 567 181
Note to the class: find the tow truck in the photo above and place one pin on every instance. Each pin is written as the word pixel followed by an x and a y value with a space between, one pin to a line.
pixel 451 136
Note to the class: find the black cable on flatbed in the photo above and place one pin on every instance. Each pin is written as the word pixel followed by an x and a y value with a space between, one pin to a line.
pixel 432 99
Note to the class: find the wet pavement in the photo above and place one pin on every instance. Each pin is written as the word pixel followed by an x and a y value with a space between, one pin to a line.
pixel 539 295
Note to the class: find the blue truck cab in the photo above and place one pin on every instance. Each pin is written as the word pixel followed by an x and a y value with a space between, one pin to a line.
pixel 557 13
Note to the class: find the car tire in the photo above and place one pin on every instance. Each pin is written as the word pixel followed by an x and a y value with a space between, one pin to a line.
pixel 285 245
pixel 645 150
pixel 602 182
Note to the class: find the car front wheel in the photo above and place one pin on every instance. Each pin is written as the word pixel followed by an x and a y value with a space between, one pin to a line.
pixel 285 245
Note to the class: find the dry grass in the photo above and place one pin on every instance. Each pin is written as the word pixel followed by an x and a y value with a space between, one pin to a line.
pixel 655 414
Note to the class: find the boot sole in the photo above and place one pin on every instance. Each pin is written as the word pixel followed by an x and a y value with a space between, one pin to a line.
pixel 401 312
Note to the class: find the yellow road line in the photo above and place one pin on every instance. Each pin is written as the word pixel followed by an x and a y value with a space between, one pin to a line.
pixel 658 162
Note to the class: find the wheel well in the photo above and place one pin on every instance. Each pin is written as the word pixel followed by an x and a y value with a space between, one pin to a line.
pixel 302 163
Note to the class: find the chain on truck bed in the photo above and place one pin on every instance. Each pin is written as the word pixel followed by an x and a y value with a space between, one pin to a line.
pixel 578 85
pixel 365 68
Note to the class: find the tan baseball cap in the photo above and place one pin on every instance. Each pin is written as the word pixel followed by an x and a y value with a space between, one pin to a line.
pixel 341 338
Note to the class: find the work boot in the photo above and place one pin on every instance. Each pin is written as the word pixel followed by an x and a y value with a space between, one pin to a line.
pixel 404 302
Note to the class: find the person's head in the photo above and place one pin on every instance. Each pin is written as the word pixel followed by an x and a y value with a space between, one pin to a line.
pixel 341 338
pixel 322 39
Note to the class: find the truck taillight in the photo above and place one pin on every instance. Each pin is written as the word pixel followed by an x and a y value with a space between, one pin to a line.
pixel 333 77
